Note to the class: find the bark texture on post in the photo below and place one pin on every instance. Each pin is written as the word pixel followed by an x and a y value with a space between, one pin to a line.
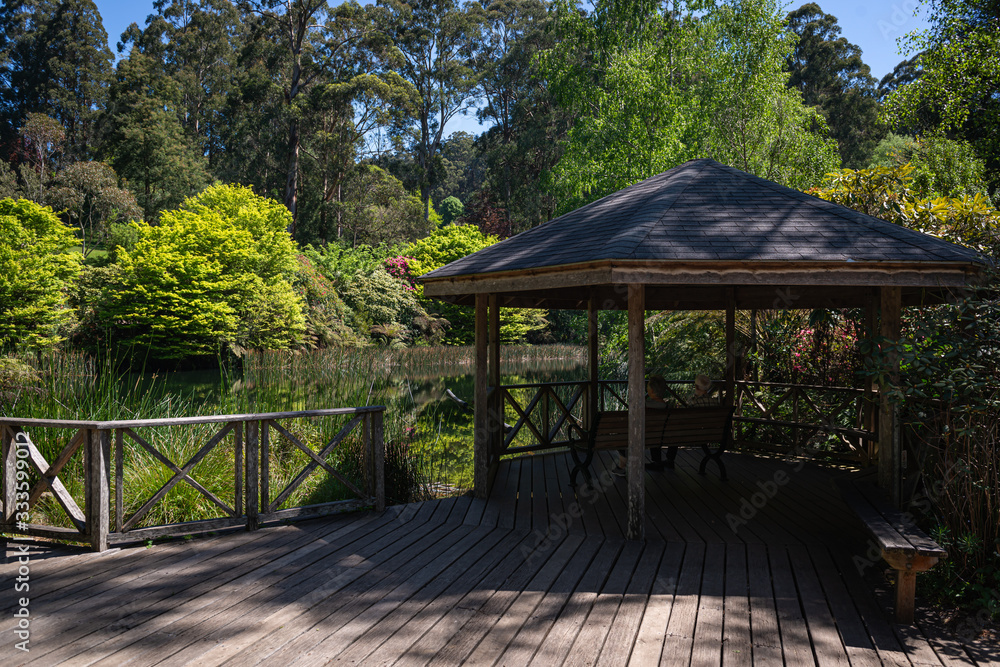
pixel 636 411
pixel 730 346
pixel 480 433
pixel 593 389
pixel 889 457
pixel 495 417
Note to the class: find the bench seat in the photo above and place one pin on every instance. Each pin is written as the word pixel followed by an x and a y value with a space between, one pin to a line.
pixel 901 544
pixel 670 428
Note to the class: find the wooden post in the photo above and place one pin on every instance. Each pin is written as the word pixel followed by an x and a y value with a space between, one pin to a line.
pixel 120 479
pixel 9 476
pixel 264 447
pixel 495 419
pixel 636 411
pixel 239 466
pixel 253 474
pixel 480 433
pixel 378 452
pixel 889 458
pixel 730 346
pixel 593 361
pixel 99 496
pixel 868 407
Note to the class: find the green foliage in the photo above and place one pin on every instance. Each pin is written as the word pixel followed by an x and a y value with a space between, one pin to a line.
pixel 89 196
pixel 653 88
pixel 941 166
pixel 888 193
pixel 35 274
pixel 446 245
pixel 955 92
pixel 144 140
pixel 216 272
pixel 451 210
pixel 376 209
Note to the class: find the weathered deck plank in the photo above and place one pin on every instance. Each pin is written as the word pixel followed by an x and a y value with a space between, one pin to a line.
pixel 537 574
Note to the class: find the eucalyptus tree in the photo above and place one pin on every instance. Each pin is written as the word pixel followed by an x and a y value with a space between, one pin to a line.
pixel 959 76
pixel 54 60
pixel 829 72
pixel 437 41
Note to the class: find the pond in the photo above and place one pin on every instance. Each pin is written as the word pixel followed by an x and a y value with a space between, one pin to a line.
pixel 434 430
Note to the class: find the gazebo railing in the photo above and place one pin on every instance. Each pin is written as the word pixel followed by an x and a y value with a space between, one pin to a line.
pixel 244 444
pixel 540 414
pixel 836 422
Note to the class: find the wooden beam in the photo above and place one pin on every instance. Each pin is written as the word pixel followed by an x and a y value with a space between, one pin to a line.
pixel 480 433
pixel 869 408
pixel 593 363
pixel 706 272
pixel 636 412
pixel 99 498
pixel 730 345
pixel 495 418
pixel 889 456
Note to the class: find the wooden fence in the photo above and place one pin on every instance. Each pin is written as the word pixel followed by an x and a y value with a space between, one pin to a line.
pixel 835 422
pixel 103 520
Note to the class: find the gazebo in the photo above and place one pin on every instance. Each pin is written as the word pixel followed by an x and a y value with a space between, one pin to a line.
pixel 701 236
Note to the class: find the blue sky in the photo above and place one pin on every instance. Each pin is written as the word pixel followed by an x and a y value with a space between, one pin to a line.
pixel 873 25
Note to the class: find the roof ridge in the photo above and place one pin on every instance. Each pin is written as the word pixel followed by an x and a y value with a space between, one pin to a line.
pixel 653 224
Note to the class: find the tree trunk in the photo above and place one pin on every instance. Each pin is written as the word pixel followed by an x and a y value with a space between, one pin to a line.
pixel 292 181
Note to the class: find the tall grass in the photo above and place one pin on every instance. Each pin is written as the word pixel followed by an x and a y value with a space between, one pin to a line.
pixel 428 439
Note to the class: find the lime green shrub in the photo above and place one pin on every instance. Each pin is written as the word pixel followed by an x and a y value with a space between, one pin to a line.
pixel 446 245
pixel 35 271
pixel 215 273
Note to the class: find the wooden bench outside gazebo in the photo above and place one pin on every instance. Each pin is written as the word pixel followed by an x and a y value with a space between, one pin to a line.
pixel 702 236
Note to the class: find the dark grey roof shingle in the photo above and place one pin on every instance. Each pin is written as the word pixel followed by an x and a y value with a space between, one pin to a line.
pixel 705 210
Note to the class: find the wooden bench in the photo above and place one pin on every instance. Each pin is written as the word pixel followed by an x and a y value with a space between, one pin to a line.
pixel 670 428
pixel 905 547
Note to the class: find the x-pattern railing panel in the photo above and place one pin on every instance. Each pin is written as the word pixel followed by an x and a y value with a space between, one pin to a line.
pixel 318 459
pixel 182 473
pixel 49 474
pixel 549 426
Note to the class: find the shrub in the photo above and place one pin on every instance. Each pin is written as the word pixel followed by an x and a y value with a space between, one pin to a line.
pixel 217 272
pixel 36 271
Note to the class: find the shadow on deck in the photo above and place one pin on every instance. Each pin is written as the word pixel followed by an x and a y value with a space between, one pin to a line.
pixel 763 569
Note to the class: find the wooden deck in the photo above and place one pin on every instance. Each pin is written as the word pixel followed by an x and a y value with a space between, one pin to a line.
pixel 532 576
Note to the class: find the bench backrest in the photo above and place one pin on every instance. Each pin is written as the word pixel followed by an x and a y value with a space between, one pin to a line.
pixel 676 427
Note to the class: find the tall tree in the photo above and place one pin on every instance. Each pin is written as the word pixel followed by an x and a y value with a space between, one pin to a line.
pixel 652 87
pixel 437 40
pixel 829 72
pixel 144 139
pixel 54 59
pixel 956 91
pixel 196 42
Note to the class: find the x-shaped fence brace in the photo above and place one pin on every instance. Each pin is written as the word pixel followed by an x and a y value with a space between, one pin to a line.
pixel 49 474
pixel 318 460
pixel 182 473
pixel 525 414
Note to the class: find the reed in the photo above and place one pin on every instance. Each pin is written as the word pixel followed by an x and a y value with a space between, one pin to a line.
pixel 428 439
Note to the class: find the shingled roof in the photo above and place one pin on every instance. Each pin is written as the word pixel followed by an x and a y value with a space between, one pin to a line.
pixel 708 217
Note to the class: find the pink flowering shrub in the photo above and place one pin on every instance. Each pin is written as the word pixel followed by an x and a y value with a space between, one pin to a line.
pixel 826 354
pixel 399 267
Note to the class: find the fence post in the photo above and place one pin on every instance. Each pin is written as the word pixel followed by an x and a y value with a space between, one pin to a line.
pixel 253 475
pixel 378 445
pixel 9 475
pixel 98 496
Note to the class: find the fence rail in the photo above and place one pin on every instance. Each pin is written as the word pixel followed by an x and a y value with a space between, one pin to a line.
pixel 28 476
pixel 838 422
